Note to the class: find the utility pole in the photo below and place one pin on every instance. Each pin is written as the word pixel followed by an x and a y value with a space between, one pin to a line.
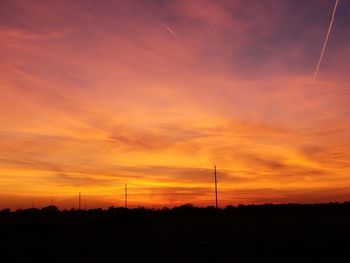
pixel 126 195
pixel 216 188
pixel 79 201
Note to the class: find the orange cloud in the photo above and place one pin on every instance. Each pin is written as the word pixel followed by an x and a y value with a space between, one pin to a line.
pixel 95 95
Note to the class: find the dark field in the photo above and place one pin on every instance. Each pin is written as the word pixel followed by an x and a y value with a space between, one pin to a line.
pixel 284 233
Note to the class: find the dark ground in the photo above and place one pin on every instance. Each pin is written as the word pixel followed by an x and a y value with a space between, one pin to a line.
pixel 286 233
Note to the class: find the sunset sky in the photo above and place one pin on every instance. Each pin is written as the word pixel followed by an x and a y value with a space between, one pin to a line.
pixel 96 94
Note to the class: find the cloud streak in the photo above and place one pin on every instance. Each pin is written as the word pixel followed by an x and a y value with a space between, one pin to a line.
pixel 326 39
pixel 170 30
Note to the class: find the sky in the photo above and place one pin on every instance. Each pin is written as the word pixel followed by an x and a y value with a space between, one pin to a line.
pixel 97 94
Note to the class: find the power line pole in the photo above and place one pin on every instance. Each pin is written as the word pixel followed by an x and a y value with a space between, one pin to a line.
pixel 79 201
pixel 126 195
pixel 216 188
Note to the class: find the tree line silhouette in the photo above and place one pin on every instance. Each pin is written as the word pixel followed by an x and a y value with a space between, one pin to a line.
pixel 191 210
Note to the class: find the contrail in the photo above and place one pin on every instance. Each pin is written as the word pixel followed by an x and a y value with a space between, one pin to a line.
pixel 169 29
pixel 326 40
